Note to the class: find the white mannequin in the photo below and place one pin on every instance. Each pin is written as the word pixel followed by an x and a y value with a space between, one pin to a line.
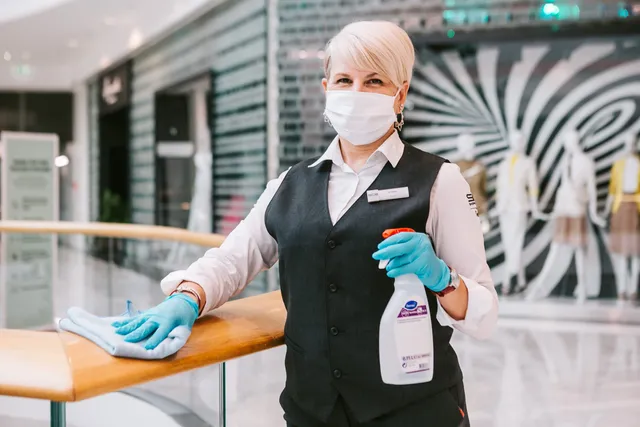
pixel 626 278
pixel 476 175
pixel 517 195
pixel 576 195
pixel 200 214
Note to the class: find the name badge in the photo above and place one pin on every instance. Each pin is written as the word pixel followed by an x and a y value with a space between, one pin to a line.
pixel 389 194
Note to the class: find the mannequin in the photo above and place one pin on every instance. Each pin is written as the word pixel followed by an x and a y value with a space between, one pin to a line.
pixel 576 195
pixel 517 195
pixel 200 213
pixel 624 203
pixel 476 175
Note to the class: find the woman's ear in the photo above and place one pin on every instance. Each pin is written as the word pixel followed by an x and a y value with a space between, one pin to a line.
pixel 405 92
pixel 401 100
pixel 324 84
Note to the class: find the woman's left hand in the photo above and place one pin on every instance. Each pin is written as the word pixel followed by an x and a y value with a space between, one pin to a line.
pixel 412 253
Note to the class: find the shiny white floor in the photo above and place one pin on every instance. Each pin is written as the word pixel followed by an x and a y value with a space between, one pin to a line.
pixel 532 373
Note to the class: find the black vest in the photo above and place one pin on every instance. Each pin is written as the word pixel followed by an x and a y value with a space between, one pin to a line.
pixel 335 294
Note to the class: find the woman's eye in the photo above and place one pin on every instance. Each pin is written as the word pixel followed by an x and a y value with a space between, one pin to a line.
pixel 375 81
pixel 343 80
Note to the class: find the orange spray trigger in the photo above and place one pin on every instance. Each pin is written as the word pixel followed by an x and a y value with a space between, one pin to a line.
pixel 388 233
pixel 391 231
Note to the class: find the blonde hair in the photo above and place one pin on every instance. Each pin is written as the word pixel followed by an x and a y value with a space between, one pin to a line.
pixel 381 46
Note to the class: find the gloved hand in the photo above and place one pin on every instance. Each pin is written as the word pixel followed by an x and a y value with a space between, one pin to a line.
pixel 413 253
pixel 158 322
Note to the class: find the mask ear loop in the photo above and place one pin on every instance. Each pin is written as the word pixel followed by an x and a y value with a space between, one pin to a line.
pixel 326 119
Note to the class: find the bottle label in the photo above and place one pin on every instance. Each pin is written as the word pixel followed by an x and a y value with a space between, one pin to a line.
pixel 414 347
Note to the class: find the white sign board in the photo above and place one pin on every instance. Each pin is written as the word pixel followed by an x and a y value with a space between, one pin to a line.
pixel 28 262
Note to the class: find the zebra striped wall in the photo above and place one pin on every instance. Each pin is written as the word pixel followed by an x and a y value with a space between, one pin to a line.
pixel 543 89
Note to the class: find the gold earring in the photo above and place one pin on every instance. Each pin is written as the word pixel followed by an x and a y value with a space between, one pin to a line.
pixel 400 119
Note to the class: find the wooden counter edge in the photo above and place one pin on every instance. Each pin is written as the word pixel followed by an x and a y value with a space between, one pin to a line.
pixel 113 230
pixel 34 365
pixel 236 329
pixel 83 370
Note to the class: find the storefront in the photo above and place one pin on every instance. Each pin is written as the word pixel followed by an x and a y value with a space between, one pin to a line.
pixel 114 91
pixel 191 124
pixel 184 155
pixel 43 112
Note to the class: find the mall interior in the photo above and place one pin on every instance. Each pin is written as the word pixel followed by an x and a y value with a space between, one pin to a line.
pixel 135 136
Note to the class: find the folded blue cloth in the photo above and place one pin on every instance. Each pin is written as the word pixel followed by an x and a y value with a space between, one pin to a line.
pixel 99 331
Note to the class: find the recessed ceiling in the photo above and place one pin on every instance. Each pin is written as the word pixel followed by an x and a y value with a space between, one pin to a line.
pixel 56 44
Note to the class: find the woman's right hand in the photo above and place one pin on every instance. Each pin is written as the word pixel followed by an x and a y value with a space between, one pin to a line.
pixel 158 322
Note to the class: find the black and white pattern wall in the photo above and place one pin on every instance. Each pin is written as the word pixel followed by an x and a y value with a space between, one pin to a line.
pixel 542 89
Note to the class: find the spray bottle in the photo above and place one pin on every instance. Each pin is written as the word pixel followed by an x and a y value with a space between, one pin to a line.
pixel 406 338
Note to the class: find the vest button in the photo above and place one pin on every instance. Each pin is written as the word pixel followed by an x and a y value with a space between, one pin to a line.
pixel 337 373
pixel 333 288
pixel 331 244
pixel 334 331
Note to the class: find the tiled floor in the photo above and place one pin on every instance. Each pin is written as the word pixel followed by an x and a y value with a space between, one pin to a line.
pixel 532 373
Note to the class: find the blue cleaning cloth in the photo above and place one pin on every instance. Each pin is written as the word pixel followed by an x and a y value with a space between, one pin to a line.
pixel 99 331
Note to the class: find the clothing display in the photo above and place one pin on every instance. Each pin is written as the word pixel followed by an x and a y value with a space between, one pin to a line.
pixel 624 236
pixel 517 184
pixel 571 231
pixel 476 175
pixel 513 227
pixel 578 174
pixel 572 201
pixel 100 331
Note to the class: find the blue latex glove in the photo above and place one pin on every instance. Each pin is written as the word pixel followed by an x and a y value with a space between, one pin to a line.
pixel 158 322
pixel 412 253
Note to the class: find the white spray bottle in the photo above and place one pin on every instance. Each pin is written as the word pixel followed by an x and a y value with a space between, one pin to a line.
pixel 406 338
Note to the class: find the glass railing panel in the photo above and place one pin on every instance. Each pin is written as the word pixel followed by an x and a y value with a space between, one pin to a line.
pixel 191 399
pixel 254 384
pixel 100 275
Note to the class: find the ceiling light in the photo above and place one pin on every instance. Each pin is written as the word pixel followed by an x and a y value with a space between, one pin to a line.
pixel 135 39
pixel 61 161
pixel 21 71
pixel 7 56
pixel 73 43
pixel 105 61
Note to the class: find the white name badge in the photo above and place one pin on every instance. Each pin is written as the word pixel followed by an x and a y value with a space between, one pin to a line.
pixel 389 194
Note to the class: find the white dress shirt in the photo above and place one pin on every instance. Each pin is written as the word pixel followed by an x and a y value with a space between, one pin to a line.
pixel 630 175
pixel 452 224
pixel 517 184
pixel 577 186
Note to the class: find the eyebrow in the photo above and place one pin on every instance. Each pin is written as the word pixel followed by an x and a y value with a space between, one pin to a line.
pixel 347 75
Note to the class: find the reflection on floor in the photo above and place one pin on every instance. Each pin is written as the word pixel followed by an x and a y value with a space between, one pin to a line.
pixel 564 308
pixel 532 373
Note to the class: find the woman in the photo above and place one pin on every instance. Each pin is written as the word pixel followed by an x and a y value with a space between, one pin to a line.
pixel 318 220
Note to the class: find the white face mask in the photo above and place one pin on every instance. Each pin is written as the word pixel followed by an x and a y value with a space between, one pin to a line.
pixel 360 117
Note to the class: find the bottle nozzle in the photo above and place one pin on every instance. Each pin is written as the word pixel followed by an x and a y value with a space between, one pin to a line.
pixel 388 233
pixel 391 231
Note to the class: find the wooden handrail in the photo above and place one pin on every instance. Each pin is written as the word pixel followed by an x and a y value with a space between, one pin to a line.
pixel 64 367
pixel 121 231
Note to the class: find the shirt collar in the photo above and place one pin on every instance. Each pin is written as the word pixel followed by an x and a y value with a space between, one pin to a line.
pixel 392 149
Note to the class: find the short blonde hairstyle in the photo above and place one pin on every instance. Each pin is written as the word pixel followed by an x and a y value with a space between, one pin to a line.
pixel 381 46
